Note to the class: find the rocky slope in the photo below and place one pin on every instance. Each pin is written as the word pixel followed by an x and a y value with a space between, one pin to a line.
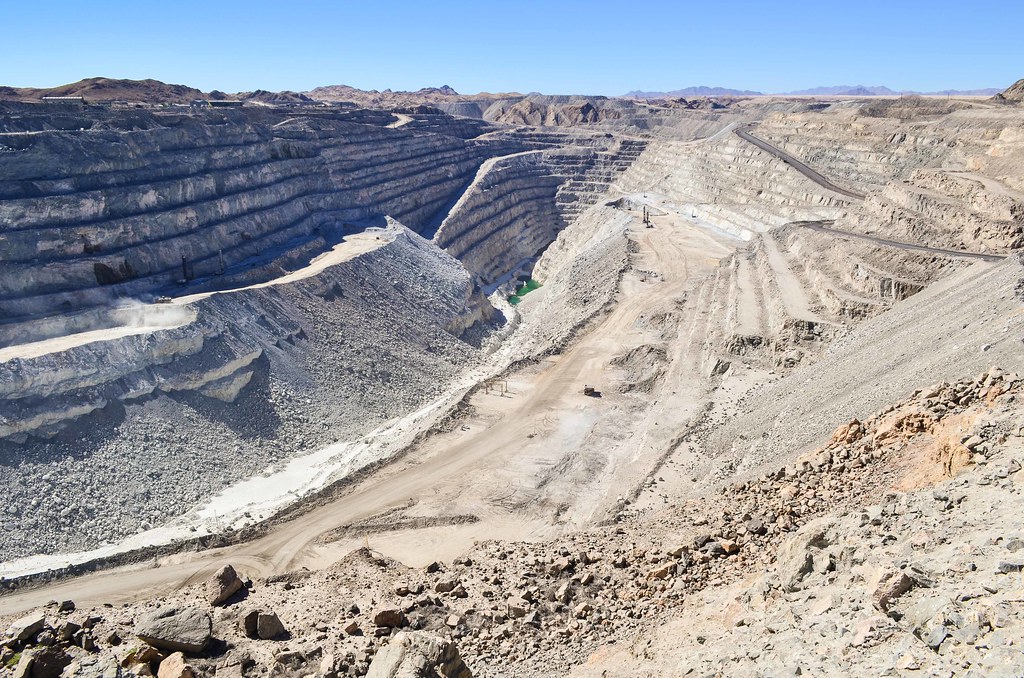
pixel 1013 94
pixel 874 542
pixel 274 371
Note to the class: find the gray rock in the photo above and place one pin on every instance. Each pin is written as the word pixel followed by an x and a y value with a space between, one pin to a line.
pixel 973 442
pixel 446 586
pixel 269 626
pixel 921 612
pixel 262 624
pixel 517 607
pixel 934 636
pixel 48 662
pixel 416 655
pixel 176 629
pixel 796 557
pixel 67 631
pixel 26 627
pixel 249 622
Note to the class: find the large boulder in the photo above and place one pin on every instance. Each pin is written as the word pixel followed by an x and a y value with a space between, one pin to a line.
pixel 418 655
pixel 262 624
pixel 390 618
pixel 184 629
pixel 796 557
pixel 48 662
pixel 26 627
pixel 223 585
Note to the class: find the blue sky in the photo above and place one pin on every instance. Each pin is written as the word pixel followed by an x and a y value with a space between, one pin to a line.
pixel 595 47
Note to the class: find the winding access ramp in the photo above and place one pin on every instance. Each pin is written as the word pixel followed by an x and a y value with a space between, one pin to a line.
pixel 813 175
pixel 825 227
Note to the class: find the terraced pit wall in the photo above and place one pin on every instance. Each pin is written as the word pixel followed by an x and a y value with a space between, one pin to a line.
pixel 950 178
pixel 88 216
pixel 949 181
pixel 168 403
pixel 133 430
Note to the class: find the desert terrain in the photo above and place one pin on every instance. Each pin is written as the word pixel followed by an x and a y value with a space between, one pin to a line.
pixel 347 383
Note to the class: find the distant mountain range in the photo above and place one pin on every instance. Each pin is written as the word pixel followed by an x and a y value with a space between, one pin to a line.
pixel 835 90
pixel 883 91
pixel 699 91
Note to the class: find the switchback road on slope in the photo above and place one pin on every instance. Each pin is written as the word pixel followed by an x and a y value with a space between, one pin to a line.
pixel 822 227
pixel 816 177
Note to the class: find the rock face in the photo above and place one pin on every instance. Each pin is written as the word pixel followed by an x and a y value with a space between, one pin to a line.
pixel 224 584
pixel 518 204
pixel 195 204
pixel 176 629
pixel 215 195
pixel 300 336
pixel 418 655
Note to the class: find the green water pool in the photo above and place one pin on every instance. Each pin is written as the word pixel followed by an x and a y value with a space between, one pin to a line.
pixel 528 286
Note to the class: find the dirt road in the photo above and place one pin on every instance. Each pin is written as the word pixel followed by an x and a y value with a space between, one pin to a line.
pixel 536 460
pixel 816 177
pixel 821 227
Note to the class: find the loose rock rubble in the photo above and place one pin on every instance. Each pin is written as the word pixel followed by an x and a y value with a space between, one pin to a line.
pixel 896 544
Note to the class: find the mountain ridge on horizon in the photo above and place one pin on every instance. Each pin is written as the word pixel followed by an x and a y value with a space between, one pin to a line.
pixel 833 90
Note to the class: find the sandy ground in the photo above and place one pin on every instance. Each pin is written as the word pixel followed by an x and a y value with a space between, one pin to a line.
pixel 535 458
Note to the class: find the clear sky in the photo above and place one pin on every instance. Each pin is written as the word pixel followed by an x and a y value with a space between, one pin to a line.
pixel 590 47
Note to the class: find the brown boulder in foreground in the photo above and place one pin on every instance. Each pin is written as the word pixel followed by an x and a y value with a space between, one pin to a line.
pixel 223 585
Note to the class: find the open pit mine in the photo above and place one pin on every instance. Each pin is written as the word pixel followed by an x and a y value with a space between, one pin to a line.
pixel 439 385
